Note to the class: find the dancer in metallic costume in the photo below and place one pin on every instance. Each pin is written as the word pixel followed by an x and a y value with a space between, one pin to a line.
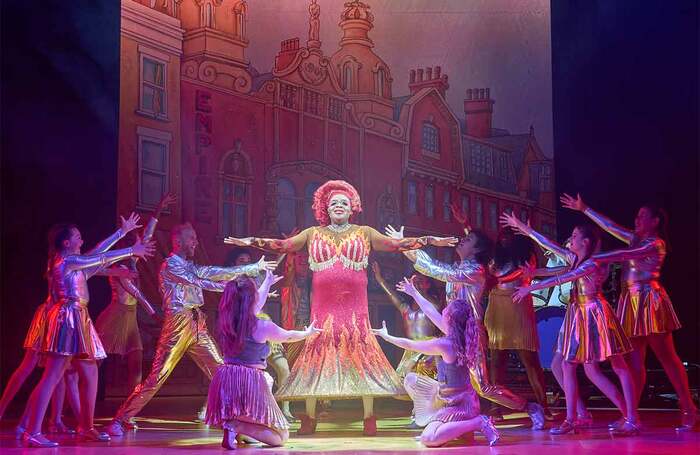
pixel 69 334
pixel 240 399
pixel 448 407
pixel 644 308
pixel 184 328
pixel 117 324
pixel 466 280
pixel 345 361
pixel 591 333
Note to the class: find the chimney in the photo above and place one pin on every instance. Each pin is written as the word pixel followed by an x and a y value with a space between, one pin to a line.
pixel 478 112
pixel 429 77
pixel 288 50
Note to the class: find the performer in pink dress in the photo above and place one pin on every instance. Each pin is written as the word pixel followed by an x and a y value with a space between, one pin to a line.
pixel 345 361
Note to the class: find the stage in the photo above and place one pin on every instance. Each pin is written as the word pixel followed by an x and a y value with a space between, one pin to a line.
pixel 337 432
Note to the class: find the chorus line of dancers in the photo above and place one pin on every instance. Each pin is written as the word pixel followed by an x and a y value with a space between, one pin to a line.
pixel 445 367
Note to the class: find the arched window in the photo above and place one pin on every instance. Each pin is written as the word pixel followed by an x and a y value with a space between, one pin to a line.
pixel 208 15
pixel 236 179
pixel 347 77
pixel 381 83
pixel 239 12
pixel 286 206
pixel 309 190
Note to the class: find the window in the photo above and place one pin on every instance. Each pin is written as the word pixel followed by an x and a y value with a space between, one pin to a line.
pixel 239 12
pixel 335 109
pixel 493 216
pixel 313 103
pixel 347 77
pixel 289 96
pixel 479 212
pixel 523 215
pixel 286 206
pixel 412 197
pixel 465 206
pixel 430 138
pixel 153 94
pixel 482 159
pixel 381 83
pixel 208 15
pixel 154 149
pixel 502 169
pixel 508 210
pixel 309 217
pixel 235 195
pixel 430 201
pixel 446 211
pixel 545 178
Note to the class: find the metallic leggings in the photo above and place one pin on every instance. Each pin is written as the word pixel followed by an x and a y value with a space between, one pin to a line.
pixel 182 332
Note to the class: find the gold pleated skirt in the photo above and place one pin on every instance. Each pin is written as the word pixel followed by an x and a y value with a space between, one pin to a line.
pixel 510 325
pixel 645 309
pixel 237 392
pixel 591 332
pixel 118 329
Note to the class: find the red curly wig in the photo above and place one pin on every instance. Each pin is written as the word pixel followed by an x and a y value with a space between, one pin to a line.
pixel 324 193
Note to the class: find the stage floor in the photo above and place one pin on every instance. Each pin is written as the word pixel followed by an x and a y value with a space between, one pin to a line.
pixel 340 433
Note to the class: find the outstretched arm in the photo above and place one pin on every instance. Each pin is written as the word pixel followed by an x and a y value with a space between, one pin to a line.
pixel 463 273
pixel 273 332
pixel 264 290
pixel 525 229
pixel 395 243
pixel 393 297
pixel 431 347
pixel 584 269
pixel 608 225
pixel 288 245
pixel 425 305
pixel 629 254
pixel 216 273
pixel 127 225
pixel 132 289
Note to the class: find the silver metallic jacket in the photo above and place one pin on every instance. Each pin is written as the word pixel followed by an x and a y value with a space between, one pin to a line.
pixel 464 280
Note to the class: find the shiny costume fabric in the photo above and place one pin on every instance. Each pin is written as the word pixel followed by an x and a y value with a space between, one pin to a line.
pixel 510 325
pixel 37 328
pixel 184 327
pixel 117 325
pixel 449 399
pixel 591 332
pixel 345 361
pixel 644 307
pixel 69 329
pixel 466 280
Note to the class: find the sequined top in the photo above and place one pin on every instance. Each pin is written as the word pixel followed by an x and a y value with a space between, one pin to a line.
pixel 253 354
pixel 68 274
pixel 452 374
pixel 644 259
pixel 464 280
pixel 351 247
pixel 181 281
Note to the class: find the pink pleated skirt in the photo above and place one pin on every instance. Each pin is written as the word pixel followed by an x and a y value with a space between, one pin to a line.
pixel 70 332
pixel 645 309
pixel 118 329
pixel 242 393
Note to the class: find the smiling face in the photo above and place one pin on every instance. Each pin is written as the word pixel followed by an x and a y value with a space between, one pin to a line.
pixel 73 244
pixel 186 243
pixel 645 223
pixel 339 209
pixel 466 247
pixel 578 243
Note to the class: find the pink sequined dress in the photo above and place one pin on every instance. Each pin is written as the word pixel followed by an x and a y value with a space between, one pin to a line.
pixel 345 360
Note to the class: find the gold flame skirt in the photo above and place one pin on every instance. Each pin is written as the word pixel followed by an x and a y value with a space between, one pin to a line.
pixel 511 325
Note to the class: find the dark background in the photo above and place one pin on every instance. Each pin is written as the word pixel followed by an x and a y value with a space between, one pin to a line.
pixel 625 82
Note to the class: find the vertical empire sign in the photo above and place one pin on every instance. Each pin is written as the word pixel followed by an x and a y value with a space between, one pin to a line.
pixel 203 184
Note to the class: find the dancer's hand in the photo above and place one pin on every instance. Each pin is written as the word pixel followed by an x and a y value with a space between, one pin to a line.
pixel 510 220
pixel 267 266
pixel 311 329
pixel 273 294
pixel 383 332
pixel 270 278
pixel 143 250
pixel 406 286
pixel 521 293
pixel 166 200
pixel 443 241
pixel 131 223
pixel 393 233
pixel 246 241
pixel 572 203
